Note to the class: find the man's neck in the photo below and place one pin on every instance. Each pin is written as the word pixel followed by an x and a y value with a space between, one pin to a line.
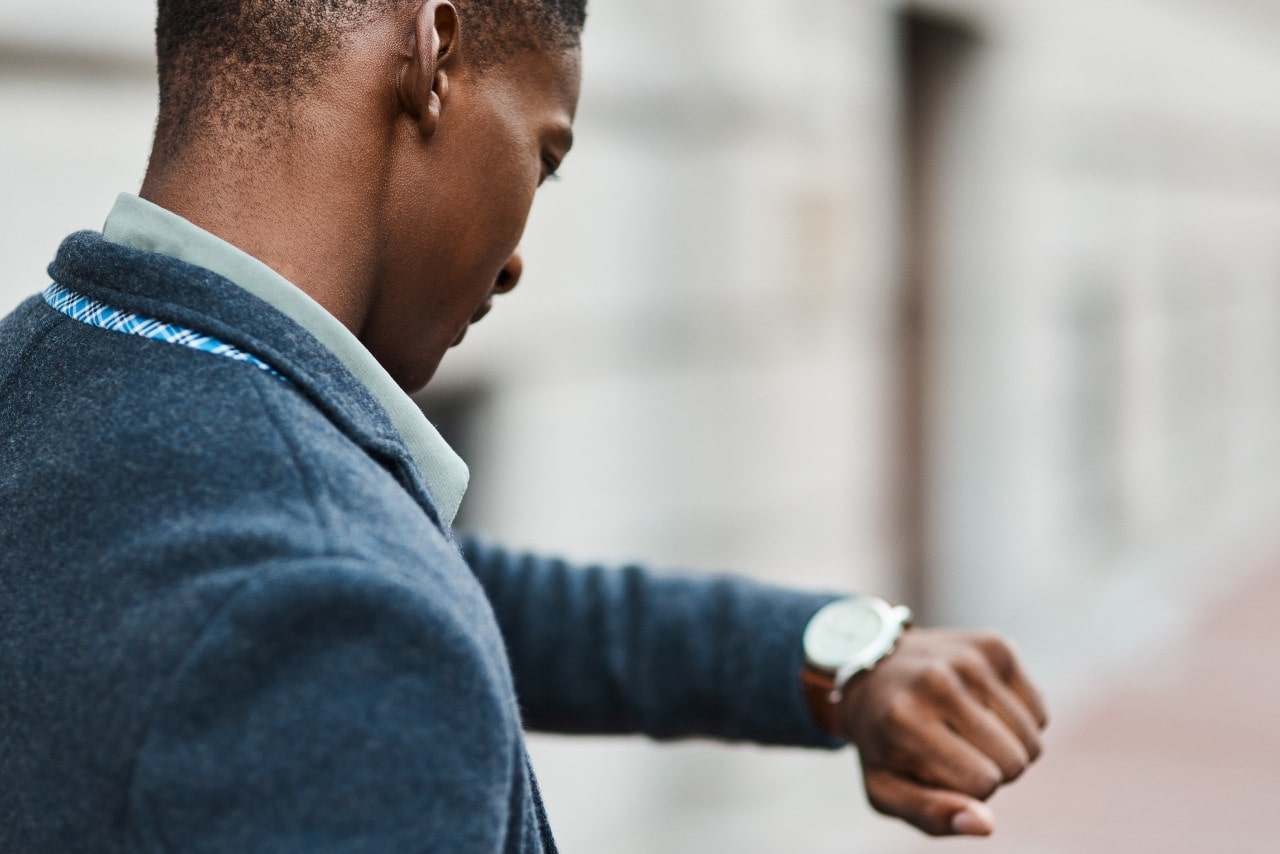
pixel 297 213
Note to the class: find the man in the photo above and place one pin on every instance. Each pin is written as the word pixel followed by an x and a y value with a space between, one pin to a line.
pixel 235 616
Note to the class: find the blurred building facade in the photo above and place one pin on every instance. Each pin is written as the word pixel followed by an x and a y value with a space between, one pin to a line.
pixel 973 303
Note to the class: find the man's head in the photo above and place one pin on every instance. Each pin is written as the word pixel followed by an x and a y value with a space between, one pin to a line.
pixel 404 140
pixel 231 63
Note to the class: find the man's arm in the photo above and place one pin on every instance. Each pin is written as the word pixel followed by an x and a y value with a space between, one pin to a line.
pixel 939 724
pixel 604 650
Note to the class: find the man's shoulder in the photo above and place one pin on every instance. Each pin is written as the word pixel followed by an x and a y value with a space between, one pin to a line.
pixel 83 406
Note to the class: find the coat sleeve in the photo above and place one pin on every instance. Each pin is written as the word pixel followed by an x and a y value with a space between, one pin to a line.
pixel 325 708
pixel 626 650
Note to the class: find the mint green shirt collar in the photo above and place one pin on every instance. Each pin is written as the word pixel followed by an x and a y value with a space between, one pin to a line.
pixel 138 224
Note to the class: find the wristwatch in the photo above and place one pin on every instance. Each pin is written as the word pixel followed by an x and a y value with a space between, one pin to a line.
pixel 843 639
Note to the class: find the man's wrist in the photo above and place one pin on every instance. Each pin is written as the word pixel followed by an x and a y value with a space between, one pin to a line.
pixel 843 642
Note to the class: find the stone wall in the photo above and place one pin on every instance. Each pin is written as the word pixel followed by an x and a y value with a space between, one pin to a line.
pixel 1015 361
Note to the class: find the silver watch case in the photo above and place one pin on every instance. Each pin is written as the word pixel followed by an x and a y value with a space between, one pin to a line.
pixel 850 636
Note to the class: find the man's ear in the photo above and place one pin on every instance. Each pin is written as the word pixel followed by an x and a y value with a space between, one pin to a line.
pixel 423 84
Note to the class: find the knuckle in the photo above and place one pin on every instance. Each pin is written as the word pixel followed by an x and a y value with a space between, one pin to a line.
pixel 1012 769
pixel 938 680
pixel 970 663
pixel 986 782
pixel 982 782
pixel 990 641
pixel 900 713
pixel 997 649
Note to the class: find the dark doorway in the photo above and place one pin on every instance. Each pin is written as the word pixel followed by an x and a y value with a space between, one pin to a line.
pixel 937 56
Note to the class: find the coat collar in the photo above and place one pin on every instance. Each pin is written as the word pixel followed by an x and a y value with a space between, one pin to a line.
pixel 139 224
pixel 168 289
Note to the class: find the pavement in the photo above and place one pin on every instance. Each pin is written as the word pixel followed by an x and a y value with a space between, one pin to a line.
pixel 1178 754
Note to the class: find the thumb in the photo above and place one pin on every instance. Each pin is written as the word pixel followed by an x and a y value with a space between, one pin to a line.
pixel 938 812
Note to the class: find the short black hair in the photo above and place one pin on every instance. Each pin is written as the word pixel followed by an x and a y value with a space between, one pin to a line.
pixel 231 61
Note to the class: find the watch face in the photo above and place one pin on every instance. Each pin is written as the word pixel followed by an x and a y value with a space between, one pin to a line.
pixel 840 632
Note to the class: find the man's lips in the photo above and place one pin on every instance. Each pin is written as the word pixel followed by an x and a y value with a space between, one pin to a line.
pixel 485 308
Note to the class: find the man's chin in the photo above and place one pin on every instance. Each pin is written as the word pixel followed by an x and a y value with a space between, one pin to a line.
pixel 462 333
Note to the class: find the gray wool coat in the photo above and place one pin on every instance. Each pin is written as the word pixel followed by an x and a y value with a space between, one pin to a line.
pixel 231 620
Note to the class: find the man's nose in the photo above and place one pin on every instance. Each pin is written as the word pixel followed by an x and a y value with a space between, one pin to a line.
pixel 510 275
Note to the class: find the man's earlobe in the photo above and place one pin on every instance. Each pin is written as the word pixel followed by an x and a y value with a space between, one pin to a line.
pixel 423 84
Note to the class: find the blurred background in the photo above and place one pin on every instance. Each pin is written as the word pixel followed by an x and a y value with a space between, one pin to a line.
pixel 974 304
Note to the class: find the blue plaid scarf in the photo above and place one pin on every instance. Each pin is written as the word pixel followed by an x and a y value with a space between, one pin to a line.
pixel 94 313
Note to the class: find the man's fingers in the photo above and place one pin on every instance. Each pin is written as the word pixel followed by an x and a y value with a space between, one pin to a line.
pixel 1006 705
pixel 1005 661
pixel 963 708
pixel 941 757
pixel 937 812
pixel 1019 718
pixel 1022 686
pixel 991 735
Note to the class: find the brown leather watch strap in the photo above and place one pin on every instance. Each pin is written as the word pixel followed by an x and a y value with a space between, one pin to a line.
pixel 817 689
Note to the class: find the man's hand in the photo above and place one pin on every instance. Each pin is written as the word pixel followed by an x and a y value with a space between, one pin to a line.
pixel 940 725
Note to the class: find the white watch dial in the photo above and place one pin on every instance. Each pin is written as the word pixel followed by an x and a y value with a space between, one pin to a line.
pixel 842 631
